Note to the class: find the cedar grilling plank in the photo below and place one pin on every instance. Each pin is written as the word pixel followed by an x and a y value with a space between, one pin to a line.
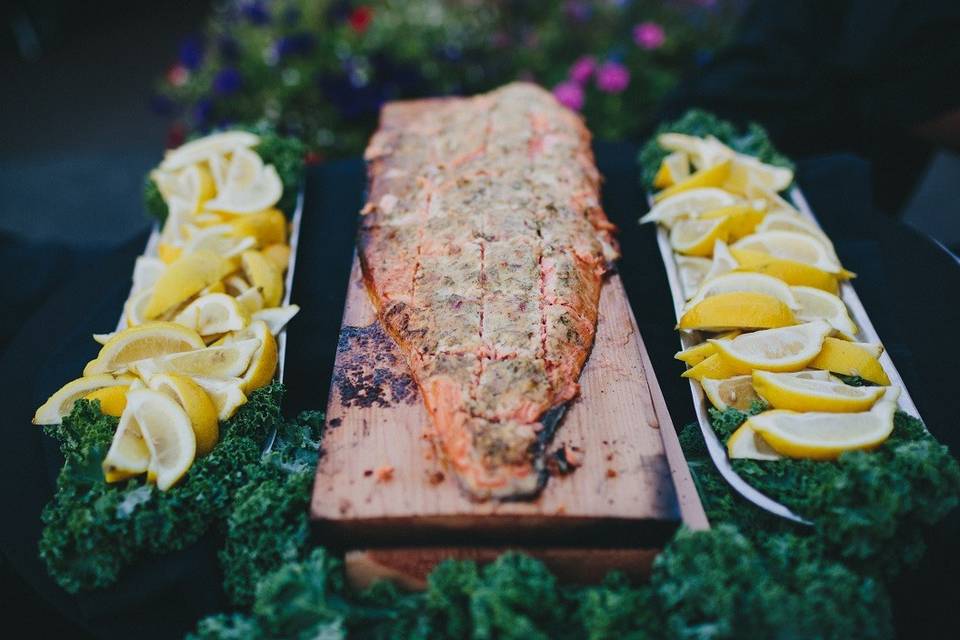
pixel 483 248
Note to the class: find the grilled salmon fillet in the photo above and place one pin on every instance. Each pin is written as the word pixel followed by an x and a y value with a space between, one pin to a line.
pixel 483 247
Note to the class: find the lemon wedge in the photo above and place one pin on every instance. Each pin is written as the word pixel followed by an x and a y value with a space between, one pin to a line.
pixel 112 399
pixel 693 271
pixel 673 169
pixel 191 186
pixel 792 245
pixel 745 443
pixel 145 341
pixel 146 272
pixel 263 275
pixel 737 310
pixel 263 364
pixel 128 455
pixel 697 237
pixel 783 391
pixel 278 254
pixel 736 392
pixel 134 309
pixel 103 338
pixel 742 219
pixel 793 221
pixel 700 352
pixel 60 404
pixel 263 193
pixel 267 227
pixel 277 317
pixel 688 204
pixel 792 272
pixel 781 349
pixel 713 367
pixel 198 405
pixel 202 149
pixel 167 432
pixel 251 300
pixel 184 278
pixel 746 281
pixel 824 436
pixel 713 176
pixel 221 361
pixel 168 252
pixel 746 172
pixel 219 239
pixel 850 359
pixel 723 261
pixel 226 394
pixel 214 313
pixel 816 304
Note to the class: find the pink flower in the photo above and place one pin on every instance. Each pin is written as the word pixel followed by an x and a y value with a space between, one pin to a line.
pixel 583 68
pixel 649 35
pixel 178 75
pixel 569 94
pixel 612 77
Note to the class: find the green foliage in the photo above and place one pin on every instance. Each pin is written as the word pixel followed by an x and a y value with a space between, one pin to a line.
pixel 753 141
pixel 153 202
pixel 93 529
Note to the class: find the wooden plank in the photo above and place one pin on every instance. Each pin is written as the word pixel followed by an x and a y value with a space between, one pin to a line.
pixel 377 423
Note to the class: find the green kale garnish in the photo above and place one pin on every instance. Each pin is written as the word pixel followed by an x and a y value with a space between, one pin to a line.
pixel 153 201
pixel 754 141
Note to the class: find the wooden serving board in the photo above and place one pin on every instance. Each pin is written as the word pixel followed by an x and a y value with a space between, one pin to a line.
pixel 380 482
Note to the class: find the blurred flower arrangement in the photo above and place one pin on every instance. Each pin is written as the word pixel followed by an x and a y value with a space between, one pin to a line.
pixel 320 69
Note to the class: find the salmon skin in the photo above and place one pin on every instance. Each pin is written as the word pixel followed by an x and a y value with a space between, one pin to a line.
pixel 483 246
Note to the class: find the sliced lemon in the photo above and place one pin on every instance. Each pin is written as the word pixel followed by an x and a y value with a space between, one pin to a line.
pixel 792 245
pixel 736 392
pixel 742 219
pixel 713 367
pixel 216 287
pixel 128 455
pixel 685 143
pixel 214 313
pixel 673 169
pixel 146 272
pixel 792 272
pixel 816 304
pixel 723 261
pixel 103 338
pixel 167 432
pixel 264 362
pixel 713 176
pixel 738 310
pixel 692 270
pixel 697 237
pixel 688 204
pixel 277 317
pixel 263 275
pixel 226 393
pixel 251 300
pixel 60 404
pixel 134 309
pixel 262 194
pixel 145 341
pixel 202 149
pixel 278 254
pixel 184 278
pixel 223 361
pixel 193 185
pixel 698 353
pixel 824 436
pixel 267 227
pixel 782 349
pixel 168 252
pixel 746 281
pixel 798 394
pixel 219 239
pixel 198 405
pixel 112 399
pixel 746 171
pixel 850 359
pixel 745 443
pixel 794 221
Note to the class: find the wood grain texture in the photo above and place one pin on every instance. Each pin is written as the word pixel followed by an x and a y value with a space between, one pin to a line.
pixel 380 483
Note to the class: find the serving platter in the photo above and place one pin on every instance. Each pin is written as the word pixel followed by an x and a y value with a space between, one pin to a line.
pixel 718 452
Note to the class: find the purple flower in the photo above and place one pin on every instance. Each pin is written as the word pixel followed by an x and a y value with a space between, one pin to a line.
pixel 256 13
pixel 583 69
pixel 649 35
pixel 201 113
pixel 612 77
pixel 191 53
pixel 569 94
pixel 227 81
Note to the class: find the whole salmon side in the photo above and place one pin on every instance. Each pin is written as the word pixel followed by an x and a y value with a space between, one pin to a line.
pixel 484 246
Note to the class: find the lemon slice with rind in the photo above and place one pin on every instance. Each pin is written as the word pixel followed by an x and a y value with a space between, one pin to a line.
pixel 713 176
pixel 693 271
pixel 184 278
pixel 112 399
pixel 742 219
pixel 824 436
pixel 263 275
pixel 698 353
pixel 689 204
pixel 792 245
pixel 850 359
pixel 251 300
pixel 713 367
pixel 221 240
pixel 697 237
pixel 790 271
pixel 781 349
pixel 673 169
pixel 214 313
pixel 745 443
pixel 278 254
pixel 745 281
pixel 167 432
pixel 202 149
pixel 736 392
pixel 198 405
pixel 816 304
pixel 220 361
pixel 144 341
pixel 129 455
pixel 277 317
pixel 146 272
pixel 793 221
pixel 190 187
pixel 226 393
pixel 737 310
pixel 723 261
pixel 262 194
pixel 60 404
pixel 263 364
pixel 784 391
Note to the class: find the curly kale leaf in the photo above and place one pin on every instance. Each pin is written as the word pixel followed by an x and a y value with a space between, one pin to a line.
pixel 753 141
pixel 616 609
pixel 153 201
pixel 93 529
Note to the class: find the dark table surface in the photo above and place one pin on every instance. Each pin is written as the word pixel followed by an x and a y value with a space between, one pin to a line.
pixel 55 297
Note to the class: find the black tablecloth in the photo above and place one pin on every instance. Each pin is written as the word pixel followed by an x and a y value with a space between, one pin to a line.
pixel 54 298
